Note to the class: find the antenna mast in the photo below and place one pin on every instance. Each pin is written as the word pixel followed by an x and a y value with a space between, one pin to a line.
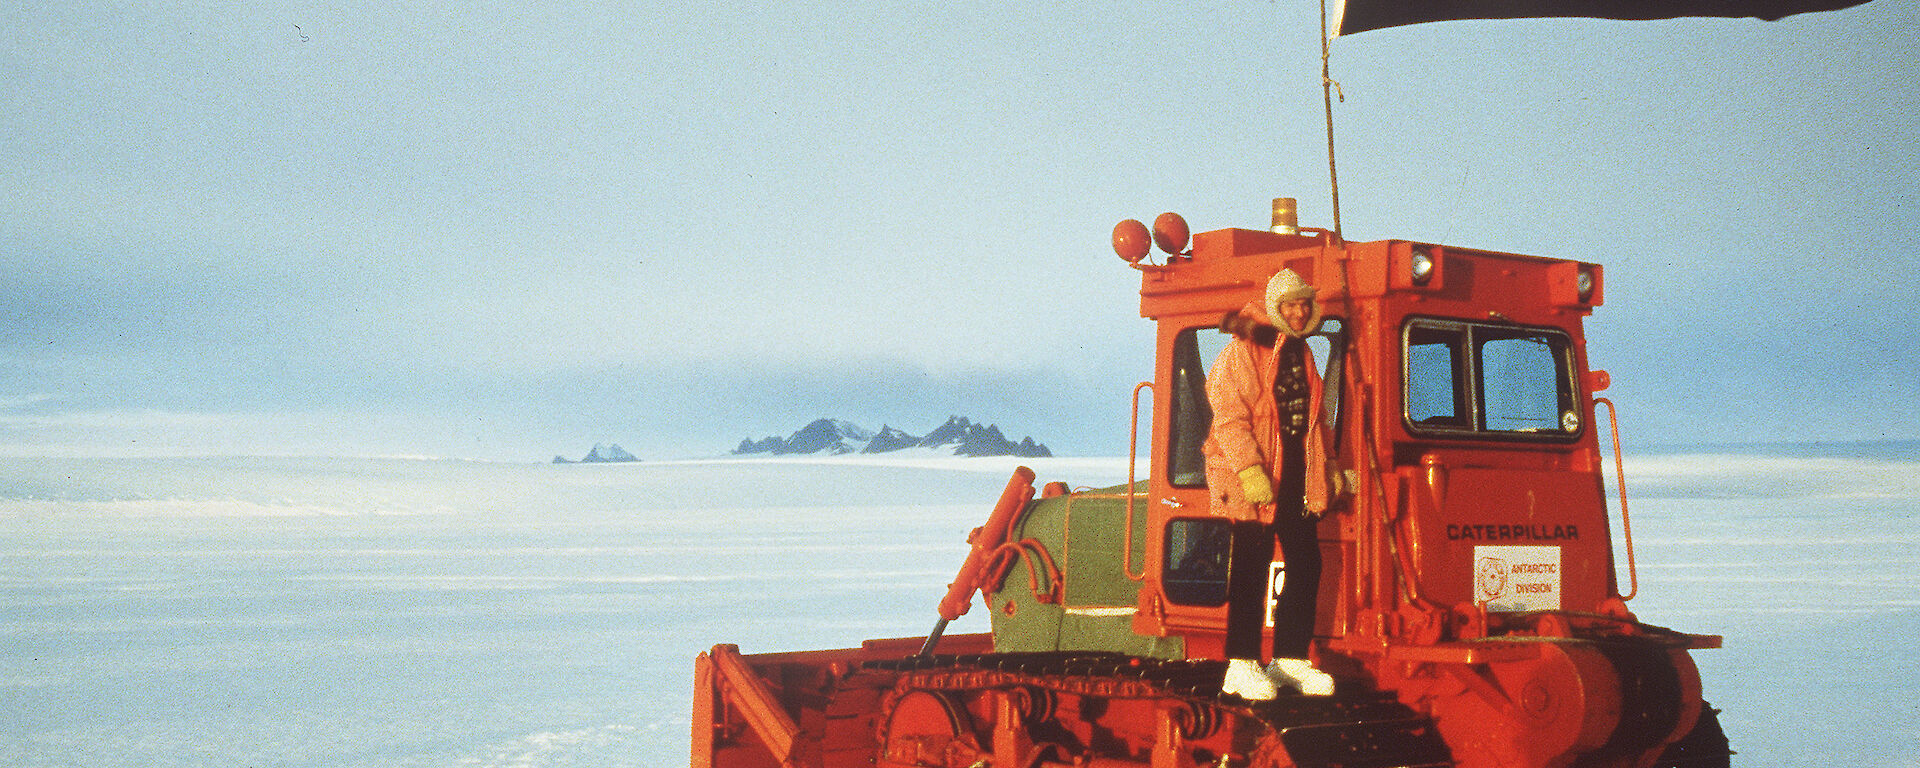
pixel 1326 95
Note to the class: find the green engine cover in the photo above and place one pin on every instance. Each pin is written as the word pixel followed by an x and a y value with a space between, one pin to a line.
pixel 1084 535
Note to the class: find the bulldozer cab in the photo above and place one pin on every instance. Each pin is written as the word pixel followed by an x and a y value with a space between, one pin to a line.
pixel 1457 394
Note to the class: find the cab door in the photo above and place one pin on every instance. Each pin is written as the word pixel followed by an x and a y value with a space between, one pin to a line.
pixel 1187 560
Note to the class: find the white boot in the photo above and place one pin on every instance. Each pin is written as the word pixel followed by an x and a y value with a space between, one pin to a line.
pixel 1246 680
pixel 1300 674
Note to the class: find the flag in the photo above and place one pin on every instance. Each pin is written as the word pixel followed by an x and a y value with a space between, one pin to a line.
pixel 1361 15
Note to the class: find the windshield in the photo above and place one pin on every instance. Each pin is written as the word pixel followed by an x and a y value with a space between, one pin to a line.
pixel 1473 377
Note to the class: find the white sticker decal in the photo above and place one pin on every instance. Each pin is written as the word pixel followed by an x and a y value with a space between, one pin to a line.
pixel 1276 580
pixel 1517 578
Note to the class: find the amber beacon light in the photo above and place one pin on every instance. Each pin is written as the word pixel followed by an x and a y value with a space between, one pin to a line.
pixel 1286 216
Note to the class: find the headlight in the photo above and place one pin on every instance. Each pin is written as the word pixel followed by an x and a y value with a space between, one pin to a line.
pixel 1569 421
pixel 1584 284
pixel 1422 266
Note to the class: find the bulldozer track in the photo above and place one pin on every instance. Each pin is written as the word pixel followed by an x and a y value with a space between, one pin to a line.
pixel 1351 730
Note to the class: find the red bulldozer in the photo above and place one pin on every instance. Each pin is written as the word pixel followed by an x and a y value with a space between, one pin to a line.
pixel 1471 609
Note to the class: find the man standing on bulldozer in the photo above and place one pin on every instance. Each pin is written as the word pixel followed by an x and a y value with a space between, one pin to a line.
pixel 1268 473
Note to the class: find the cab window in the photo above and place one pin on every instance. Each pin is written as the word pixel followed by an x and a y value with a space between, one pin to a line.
pixel 1467 378
pixel 1196 565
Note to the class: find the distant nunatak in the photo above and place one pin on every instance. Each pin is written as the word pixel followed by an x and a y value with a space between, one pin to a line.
pixel 602 453
pixel 958 437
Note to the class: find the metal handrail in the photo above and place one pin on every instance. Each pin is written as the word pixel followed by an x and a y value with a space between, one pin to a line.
pixel 1626 522
pixel 1133 448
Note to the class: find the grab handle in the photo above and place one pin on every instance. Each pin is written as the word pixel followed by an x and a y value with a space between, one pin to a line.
pixel 1626 522
pixel 1133 447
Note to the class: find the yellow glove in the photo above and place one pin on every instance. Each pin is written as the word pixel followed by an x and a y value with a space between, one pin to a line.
pixel 1255 484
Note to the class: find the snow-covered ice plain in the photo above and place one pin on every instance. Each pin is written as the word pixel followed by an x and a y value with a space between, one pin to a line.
pixel 390 612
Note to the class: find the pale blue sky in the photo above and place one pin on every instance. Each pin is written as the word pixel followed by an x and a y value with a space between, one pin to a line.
pixel 496 231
